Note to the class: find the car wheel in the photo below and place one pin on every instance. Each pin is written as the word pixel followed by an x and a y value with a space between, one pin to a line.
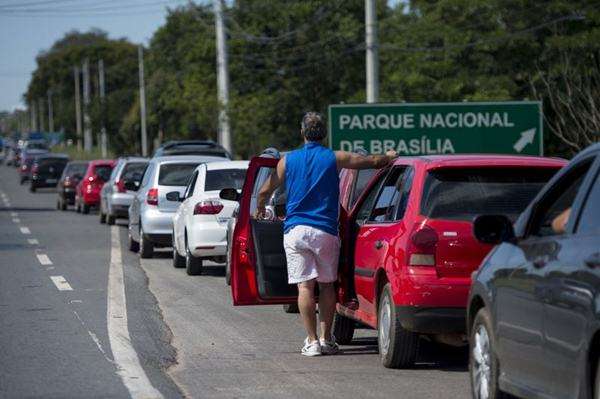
pixel 77 206
pixel 85 209
pixel 32 188
pixel 178 260
pixel 102 216
pixel 483 364
pixel 228 272
pixel 193 265
pixel 110 219
pixel 398 347
pixel 146 247
pixel 291 308
pixel 134 246
pixel 58 205
pixel 343 329
pixel 22 181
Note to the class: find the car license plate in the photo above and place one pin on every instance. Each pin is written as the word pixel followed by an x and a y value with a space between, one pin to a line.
pixel 51 181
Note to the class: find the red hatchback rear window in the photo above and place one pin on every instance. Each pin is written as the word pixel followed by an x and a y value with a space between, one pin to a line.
pixel 463 193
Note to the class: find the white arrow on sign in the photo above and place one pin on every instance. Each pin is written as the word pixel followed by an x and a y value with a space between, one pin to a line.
pixel 526 138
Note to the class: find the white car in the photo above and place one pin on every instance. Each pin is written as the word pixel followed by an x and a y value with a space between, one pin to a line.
pixel 200 223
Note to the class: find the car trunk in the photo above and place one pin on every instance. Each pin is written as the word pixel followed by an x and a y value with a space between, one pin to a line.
pixel 228 207
pixel 164 205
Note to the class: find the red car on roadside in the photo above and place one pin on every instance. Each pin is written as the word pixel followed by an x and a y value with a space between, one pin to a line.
pixel 87 192
pixel 408 250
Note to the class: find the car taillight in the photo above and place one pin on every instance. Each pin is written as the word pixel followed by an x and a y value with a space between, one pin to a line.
pixel 242 249
pixel 208 207
pixel 120 185
pixel 422 249
pixel 152 196
pixel 24 167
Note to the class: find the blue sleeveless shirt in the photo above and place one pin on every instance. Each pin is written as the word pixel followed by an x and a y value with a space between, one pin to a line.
pixel 312 185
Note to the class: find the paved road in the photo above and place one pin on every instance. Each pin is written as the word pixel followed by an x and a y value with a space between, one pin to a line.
pixel 183 331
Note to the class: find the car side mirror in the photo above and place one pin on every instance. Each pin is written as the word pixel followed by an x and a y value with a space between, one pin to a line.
pixel 230 194
pixel 174 196
pixel 493 229
pixel 131 185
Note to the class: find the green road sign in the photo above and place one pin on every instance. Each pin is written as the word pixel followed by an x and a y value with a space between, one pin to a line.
pixel 438 128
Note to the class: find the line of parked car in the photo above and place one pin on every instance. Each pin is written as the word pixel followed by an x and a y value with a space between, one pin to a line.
pixel 498 252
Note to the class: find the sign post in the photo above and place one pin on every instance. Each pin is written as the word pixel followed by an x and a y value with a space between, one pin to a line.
pixel 438 128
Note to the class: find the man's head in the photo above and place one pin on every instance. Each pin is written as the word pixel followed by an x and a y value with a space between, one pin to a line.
pixel 313 127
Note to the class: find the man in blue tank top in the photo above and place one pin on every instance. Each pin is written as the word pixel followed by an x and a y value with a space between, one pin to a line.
pixel 311 242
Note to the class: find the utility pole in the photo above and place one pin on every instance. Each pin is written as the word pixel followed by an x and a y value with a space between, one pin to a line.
pixel 103 138
pixel 41 113
pixel 142 102
pixel 33 117
pixel 87 126
pixel 50 112
pixel 372 47
pixel 224 136
pixel 77 106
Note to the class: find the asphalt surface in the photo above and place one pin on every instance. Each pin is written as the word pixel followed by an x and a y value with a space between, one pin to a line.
pixel 189 339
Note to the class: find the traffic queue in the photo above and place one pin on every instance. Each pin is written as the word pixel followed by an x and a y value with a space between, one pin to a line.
pixel 498 252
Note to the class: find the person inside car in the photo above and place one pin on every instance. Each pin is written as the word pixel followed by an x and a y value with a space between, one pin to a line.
pixel 310 176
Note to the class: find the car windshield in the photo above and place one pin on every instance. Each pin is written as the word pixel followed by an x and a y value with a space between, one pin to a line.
pixel 224 178
pixel 56 164
pixel 76 169
pixel 175 174
pixel 103 172
pixel 37 146
pixel 463 193
pixel 133 171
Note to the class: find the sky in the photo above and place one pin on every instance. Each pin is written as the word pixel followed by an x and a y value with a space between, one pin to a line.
pixel 30 26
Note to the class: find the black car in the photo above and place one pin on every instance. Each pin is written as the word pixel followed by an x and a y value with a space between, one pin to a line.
pixel 533 316
pixel 192 147
pixel 71 176
pixel 46 170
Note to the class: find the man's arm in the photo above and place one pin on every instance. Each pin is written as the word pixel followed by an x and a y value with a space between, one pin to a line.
pixel 274 181
pixel 351 160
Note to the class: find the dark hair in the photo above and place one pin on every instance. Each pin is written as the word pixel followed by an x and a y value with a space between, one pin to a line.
pixel 313 126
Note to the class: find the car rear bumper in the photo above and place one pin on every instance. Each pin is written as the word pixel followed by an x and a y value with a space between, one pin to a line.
pixel 160 239
pixel 156 222
pixel 432 320
pixel 422 288
pixel 91 199
pixel 207 239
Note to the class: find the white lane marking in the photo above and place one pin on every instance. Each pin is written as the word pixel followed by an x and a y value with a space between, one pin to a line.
pixel 61 283
pixel 16 220
pixel 44 259
pixel 25 230
pixel 33 241
pixel 14 214
pixel 93 336
pixel 128 363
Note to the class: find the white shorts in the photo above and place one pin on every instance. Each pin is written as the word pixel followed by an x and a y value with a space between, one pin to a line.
pixel 311 254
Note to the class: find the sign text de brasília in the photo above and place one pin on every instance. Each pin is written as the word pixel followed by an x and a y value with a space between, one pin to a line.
pixel 440 128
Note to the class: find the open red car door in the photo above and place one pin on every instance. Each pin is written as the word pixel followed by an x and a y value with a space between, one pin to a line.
pixel 258 263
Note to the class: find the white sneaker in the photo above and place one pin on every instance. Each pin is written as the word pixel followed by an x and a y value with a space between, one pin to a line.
pixel 311 348
pixel 329 347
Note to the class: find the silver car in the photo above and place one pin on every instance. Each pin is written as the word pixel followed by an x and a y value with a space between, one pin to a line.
pixel 118 192
pixel 150 213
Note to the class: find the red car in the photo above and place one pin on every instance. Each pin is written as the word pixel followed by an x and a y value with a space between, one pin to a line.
pixel 87 193
pixel 408 250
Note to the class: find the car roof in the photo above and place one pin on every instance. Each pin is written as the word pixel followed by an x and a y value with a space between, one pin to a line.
pixel 78 162
pixel 53 155
pixel 587 151
pixel 134 159
pixel 457 160
pixel 96 162
pixel 175 143
pixel 227 165
pixel 185 159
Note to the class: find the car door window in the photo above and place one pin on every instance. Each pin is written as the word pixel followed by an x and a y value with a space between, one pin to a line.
pixel 589 220
pixel 147 175
pixel 553 212
pixel 365 208
pixel 363 178
pixel 189 190
pixel 384 208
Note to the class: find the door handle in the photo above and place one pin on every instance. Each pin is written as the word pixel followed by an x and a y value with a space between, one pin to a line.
pixel 378 244
pixel 593 260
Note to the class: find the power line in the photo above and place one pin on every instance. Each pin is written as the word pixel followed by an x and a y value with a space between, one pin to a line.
pixel 92 9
